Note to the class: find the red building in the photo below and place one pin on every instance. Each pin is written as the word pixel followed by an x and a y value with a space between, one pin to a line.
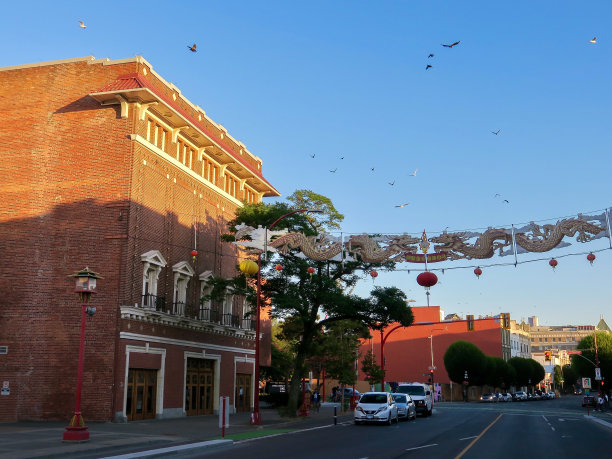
pixel 106 165
pixel 409 351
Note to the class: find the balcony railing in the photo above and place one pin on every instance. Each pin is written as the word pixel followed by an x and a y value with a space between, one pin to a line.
pixel 196 312
pixel 154 302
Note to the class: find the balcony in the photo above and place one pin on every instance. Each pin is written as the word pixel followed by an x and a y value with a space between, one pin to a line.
pixel 154 302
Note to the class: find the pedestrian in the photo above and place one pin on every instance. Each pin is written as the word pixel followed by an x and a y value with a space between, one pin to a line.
pixel 600 402
pixel 606 403
pixel 316 400
pixel 333 394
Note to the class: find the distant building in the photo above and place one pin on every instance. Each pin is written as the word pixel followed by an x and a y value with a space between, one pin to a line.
pixel 520 343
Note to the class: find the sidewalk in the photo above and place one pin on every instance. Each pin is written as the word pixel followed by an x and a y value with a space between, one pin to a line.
pixel 22 440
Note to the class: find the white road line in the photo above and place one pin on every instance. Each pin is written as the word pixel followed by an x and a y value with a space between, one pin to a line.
pixel 552 428
pixel 545 419
pixel 421 447
pixel 467 438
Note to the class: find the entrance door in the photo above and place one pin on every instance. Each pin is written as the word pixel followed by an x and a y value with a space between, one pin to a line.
pixel 141 394
pixel 199 387
pixel 243 392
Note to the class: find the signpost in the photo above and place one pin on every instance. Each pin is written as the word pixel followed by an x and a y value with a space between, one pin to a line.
pixel 597 374
pixel 586 383
pixel 223 414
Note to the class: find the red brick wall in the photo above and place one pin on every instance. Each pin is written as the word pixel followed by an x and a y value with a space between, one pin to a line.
pixel 76 192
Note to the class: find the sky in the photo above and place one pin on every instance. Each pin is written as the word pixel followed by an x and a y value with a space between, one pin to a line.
pixel 346 81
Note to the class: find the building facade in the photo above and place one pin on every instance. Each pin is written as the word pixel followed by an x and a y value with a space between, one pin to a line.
pixel 520 343
pixel 107 165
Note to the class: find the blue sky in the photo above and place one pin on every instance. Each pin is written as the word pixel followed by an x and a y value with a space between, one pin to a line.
pixel 347 79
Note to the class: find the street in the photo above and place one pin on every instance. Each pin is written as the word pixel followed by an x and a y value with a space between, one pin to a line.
pixel 502 430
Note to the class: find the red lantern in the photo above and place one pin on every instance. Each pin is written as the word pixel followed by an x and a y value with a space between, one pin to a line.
pixel 478 272
pixel 591 257
pixel 278 267
pixel 427 279
pixel 194 254
pixel 374 274
pixel 553 263
pixel 310 270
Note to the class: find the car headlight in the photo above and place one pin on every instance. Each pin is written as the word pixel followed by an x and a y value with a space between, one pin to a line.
pixel 359 409
pixel 381 409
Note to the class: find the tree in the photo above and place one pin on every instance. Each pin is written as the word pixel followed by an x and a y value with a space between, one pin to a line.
pixel 373 372
pixel 557 376
pixel 569 377
pixel 586 369
pixel 299 298
pixel 526 372
pixel 462 356
pixel 536 371
pixel 498 372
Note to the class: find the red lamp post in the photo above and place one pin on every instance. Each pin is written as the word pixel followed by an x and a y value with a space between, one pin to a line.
pixel 256 415
pixel 77 431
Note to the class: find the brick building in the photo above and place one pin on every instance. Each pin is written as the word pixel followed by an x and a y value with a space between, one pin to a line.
pixel 409 352
pixel 107 165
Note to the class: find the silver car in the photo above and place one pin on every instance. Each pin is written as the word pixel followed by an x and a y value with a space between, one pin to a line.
pixel 405 406
pixel 376 407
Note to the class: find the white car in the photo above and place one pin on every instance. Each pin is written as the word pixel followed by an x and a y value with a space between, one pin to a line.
pixel 420 394
pixel 377 407
pixel 405 406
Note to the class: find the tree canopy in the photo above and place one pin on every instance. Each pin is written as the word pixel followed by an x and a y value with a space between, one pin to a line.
pixel 462 356
pixel 584 365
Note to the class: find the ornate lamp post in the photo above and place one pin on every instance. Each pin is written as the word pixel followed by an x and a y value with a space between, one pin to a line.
pixel 432 368
pixel 256 415
pixel 85 286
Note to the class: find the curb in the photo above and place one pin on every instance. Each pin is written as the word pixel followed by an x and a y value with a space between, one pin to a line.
pixel 599 421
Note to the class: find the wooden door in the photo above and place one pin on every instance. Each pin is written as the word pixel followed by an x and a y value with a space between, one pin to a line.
pixel 199 387
pixel 141 394
pixel 243 392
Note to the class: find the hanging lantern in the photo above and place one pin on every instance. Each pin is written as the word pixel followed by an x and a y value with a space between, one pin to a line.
pixel 478 272
pixel 194 254
pixel 248 267
pixel 374 274
pixel 553 263
pixel 310 270
pixel 279 267
pixel 427 279
pixel 591 257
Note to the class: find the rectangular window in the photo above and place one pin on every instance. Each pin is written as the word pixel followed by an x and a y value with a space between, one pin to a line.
pixel 149 129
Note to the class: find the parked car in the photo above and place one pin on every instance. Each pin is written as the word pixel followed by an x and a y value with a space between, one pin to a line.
pixel 505 397
pixel 589 400
pixel 405 406
pixel 377 407
pixel 420 394
pixel 520 395
pixel 488 398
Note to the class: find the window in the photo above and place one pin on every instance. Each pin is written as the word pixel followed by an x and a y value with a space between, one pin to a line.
pixel 183 272
pixel 153 262
pixel 205 305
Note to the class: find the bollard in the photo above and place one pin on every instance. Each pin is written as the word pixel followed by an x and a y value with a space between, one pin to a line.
pixel 335 416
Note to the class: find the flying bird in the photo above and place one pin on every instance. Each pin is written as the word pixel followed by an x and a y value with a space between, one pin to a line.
pixel 506 201
pixel 372 169
pixel 428 67
pixel 341 157
pixel 391 183
pixel 333 170
pixel 312 156
pixel 192 48
pixel 430 55
pixel 82 25
pixel 593 40
pixel 496 132
pixel 452 44
pixel 414 173
pixel 403 205
pixel 496 195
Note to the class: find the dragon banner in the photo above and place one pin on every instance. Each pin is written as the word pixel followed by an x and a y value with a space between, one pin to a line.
pixel 454 245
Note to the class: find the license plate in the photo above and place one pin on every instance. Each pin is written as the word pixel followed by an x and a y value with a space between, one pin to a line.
pixel 370 416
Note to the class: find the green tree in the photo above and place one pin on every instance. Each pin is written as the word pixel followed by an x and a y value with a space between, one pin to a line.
pixel 299 298
pixel 586 369
pixel 569 378
pixel 499 374
pixel 536 371
pixel 373 372
pixel 462 356
pixel 522 371
pixel 557 376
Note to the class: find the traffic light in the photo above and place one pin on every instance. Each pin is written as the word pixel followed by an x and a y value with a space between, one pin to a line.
pixel 431 376
pixel 547 355
pixel 470 322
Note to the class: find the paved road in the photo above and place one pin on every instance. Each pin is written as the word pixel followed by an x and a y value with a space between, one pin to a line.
pixel 554 428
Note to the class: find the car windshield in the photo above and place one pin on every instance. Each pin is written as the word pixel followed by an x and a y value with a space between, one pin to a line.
pixel 399 398
pixel 412 390
pixel 373 398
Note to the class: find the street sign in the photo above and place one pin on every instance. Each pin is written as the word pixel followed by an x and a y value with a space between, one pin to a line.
pixel 597 374
pixel 431 368
pixel 586 383
pixel 574 352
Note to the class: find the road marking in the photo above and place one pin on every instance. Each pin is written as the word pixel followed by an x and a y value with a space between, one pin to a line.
pixel 545 419
pixel 421 447
pixel 467 438
pixel 465 450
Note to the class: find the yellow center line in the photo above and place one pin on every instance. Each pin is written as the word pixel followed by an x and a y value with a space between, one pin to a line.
pixel 478 437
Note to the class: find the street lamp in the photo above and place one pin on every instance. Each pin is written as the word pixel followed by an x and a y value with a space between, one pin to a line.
pixel 432 367
pixel 85 287
pixel 256 415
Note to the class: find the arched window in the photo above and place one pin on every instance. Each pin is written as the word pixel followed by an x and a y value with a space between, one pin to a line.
pixel 153 262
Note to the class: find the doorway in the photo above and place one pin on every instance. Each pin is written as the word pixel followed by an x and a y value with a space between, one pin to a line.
pixel 199 387
pixel 141 394
pixel 243 392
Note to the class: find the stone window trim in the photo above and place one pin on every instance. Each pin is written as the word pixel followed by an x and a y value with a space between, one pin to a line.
pixel 153 262
pixel 183 272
